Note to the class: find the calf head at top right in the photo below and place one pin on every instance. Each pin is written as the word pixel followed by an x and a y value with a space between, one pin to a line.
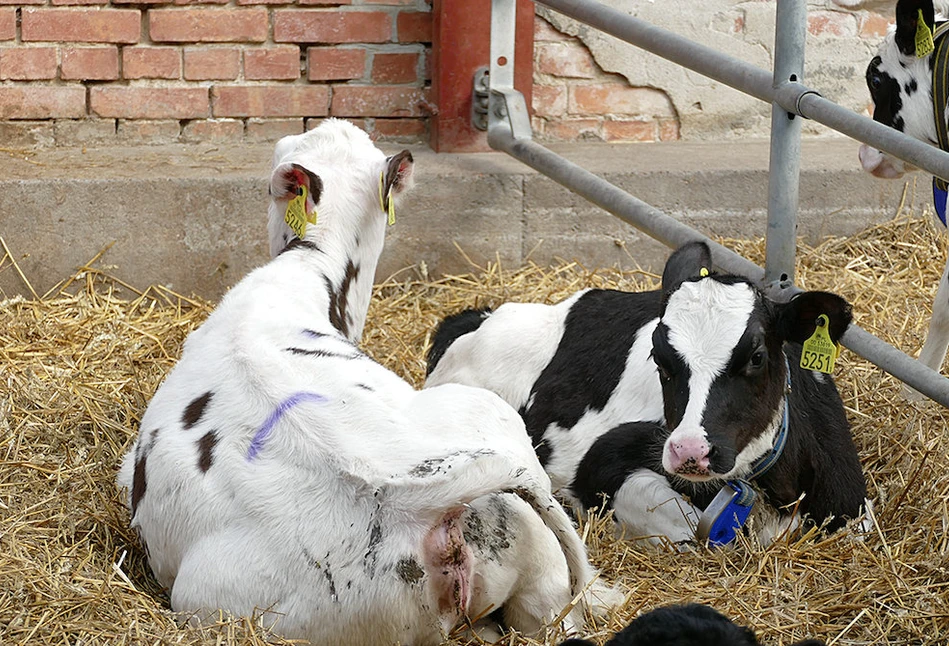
pixel 719 350
pixel 900 84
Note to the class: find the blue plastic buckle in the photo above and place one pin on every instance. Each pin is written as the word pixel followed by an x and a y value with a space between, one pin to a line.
pixel 939 201
pixel 727 513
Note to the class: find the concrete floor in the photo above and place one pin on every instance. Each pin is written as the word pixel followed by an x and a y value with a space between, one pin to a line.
pixel 193 217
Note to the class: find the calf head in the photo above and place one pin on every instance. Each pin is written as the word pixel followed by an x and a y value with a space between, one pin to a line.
pixel 340 176
pixel 719 352
pixel 687 625
pixel 900 82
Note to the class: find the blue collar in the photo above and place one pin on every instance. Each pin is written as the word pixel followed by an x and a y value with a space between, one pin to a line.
pixel 731 506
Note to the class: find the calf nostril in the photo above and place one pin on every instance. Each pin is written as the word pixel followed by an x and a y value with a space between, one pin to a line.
pixel 711 452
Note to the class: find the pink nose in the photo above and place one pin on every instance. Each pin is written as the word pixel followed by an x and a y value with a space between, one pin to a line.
pixel 689 456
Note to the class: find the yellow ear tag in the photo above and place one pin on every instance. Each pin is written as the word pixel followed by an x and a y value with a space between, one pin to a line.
pixel 297 217
pixel 924 38
pixel 819 351
pixel 703 272
pixel 382 201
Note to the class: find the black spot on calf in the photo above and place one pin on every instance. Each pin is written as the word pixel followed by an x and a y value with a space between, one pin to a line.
pixel 195 410
pixel 339 298
pixel 205 450
pixel 138 483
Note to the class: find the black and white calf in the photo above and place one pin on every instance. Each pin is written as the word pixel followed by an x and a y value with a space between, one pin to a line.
pixel 901 85
pixel 601 376
pixel 688 625
pixel 279 470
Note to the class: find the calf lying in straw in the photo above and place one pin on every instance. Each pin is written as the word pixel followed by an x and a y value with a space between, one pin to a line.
pixel 689 625
pixel 668 402
pixel 279 470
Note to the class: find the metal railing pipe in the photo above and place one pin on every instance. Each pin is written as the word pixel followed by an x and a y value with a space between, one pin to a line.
pixel 634 211
pixel 673 233
pixel 784 166
pixel 922 155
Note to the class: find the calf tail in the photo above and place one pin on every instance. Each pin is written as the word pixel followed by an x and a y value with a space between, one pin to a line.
pixel 450 329
pixel 557 520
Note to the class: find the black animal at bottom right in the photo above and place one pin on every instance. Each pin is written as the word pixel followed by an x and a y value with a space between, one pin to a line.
pixel 688 625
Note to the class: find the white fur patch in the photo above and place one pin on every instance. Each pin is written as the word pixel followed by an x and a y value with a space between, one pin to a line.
pixel 706 319
pixel 647 508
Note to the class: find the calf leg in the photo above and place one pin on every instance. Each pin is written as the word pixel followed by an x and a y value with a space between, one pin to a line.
pixel 937 339
pixel 647 507
pixel 520 564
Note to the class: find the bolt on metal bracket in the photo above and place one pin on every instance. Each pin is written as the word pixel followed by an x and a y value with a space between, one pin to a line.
pixel 508 109
pixel 480 92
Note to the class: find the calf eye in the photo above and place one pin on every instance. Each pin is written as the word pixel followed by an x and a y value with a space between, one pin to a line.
pixel 757 359
pixel 663 373
pixel 875 81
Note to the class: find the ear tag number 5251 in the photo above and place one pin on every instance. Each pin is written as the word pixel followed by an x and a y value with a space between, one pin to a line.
pixel 819 352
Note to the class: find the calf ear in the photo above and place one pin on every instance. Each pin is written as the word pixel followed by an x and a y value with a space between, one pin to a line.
pixel 287 179
pixel 797 319
pixel 685 263
pixel 907 23
pixel 397 177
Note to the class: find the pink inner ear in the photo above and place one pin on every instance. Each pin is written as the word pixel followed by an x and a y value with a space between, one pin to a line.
pixel 298 178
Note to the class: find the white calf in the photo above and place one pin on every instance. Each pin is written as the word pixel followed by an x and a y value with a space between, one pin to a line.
pixel 279 470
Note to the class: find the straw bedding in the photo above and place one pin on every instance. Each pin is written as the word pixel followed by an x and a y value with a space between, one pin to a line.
pixel 79 366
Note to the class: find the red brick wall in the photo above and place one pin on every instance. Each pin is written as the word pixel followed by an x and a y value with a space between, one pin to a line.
pixel 78 72
pixel 575 100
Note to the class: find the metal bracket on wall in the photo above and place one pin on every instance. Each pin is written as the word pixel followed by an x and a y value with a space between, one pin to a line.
pixel 508 109
pixel 480 92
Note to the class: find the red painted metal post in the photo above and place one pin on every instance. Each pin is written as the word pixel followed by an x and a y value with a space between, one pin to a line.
pixel 460 45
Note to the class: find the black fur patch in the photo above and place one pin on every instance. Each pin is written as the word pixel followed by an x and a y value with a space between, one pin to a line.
pixel 613 457
pixel 598 333
pixel 139 483
pixel 449 330
pixel 885 91
pixel 195 410
pixel 296 243
pixel 338 313
pixel 325 353
pixel 206 450
pixel 689 624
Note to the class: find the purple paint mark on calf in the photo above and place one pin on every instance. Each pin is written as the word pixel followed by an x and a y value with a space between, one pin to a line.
pixel 257 443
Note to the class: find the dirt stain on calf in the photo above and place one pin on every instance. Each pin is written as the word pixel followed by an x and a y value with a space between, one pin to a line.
pixel 409 570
